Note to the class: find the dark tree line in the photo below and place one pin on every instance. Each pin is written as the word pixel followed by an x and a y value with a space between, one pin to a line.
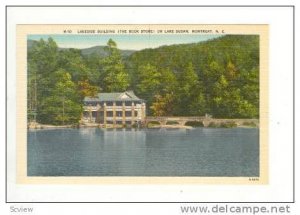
pixel 219 77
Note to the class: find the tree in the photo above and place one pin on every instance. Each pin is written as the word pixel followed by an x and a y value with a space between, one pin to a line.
pixel 31 91
pixel 93 63
pixel 62 106
pixel 219 77
pixel 250 88
pixel 42 62
pixel 72 61
pixel 231 71
pixel 149 79
pixel 114 77
pixel 163 105
pixel 45 55
pixel 235 57
pixel 190 94
pixel 168 81
pixel 188 79
pixel 86 89
pixel 164 99
pixel 149 82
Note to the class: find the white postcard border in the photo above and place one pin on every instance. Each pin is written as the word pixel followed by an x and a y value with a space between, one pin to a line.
pixel 280 102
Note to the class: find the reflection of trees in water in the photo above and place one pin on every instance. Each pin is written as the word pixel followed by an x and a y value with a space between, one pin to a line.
pixel 124 135
pixel 144 152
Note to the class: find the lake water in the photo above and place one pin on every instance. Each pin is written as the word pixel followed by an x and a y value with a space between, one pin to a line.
pixel 145 152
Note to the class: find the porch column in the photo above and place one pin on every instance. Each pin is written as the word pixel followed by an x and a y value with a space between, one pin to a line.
pixel 123 113
pixel 143 115
pixel 114 113
pixel 104 113
pixel 90 114
pixel 132 113
pixel 97 113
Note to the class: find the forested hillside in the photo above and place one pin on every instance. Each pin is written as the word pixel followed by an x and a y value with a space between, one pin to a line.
pixel 219 77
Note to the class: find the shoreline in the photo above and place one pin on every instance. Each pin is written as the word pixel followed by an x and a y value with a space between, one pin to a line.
pixel 37 126
pixel 171 126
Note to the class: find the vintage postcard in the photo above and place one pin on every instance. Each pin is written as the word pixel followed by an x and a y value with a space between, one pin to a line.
pixel 142 104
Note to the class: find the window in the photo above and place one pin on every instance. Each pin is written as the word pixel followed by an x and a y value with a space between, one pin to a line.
pixel 128 103
pixel 109 103
pixel 119 103
pixel 86 114
pixel 127 113
pixel 118 113
pixel 94 113
pixel 109 113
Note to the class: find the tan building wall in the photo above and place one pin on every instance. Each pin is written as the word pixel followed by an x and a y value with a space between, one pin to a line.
pixel 108 114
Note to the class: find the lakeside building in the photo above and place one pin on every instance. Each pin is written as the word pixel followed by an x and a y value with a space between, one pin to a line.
pixel 114 108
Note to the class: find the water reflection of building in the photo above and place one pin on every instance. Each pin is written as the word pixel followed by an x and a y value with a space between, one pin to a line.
pixel 123 136
pixel 114 108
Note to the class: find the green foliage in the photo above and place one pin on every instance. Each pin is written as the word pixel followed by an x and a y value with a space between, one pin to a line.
pixel 219 77
pixel 86 89
pixel 172 123
pixel 228 125
pixel 194 124
pixel 72 61
pixel 153 124
pixel 250 124
pixel 157 87
pixel 62 105
pixel 213 125
pixel 222 125
pixel 42 62
pixel 52 94
pixel 163 105
pixel 149 80
pixel 190 93
pixel 44 54
pixel 114 77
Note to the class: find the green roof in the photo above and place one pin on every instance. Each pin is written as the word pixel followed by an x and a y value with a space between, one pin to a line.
pixel 121 96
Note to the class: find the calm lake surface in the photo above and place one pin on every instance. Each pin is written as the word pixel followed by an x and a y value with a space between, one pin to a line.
pixel 145 152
